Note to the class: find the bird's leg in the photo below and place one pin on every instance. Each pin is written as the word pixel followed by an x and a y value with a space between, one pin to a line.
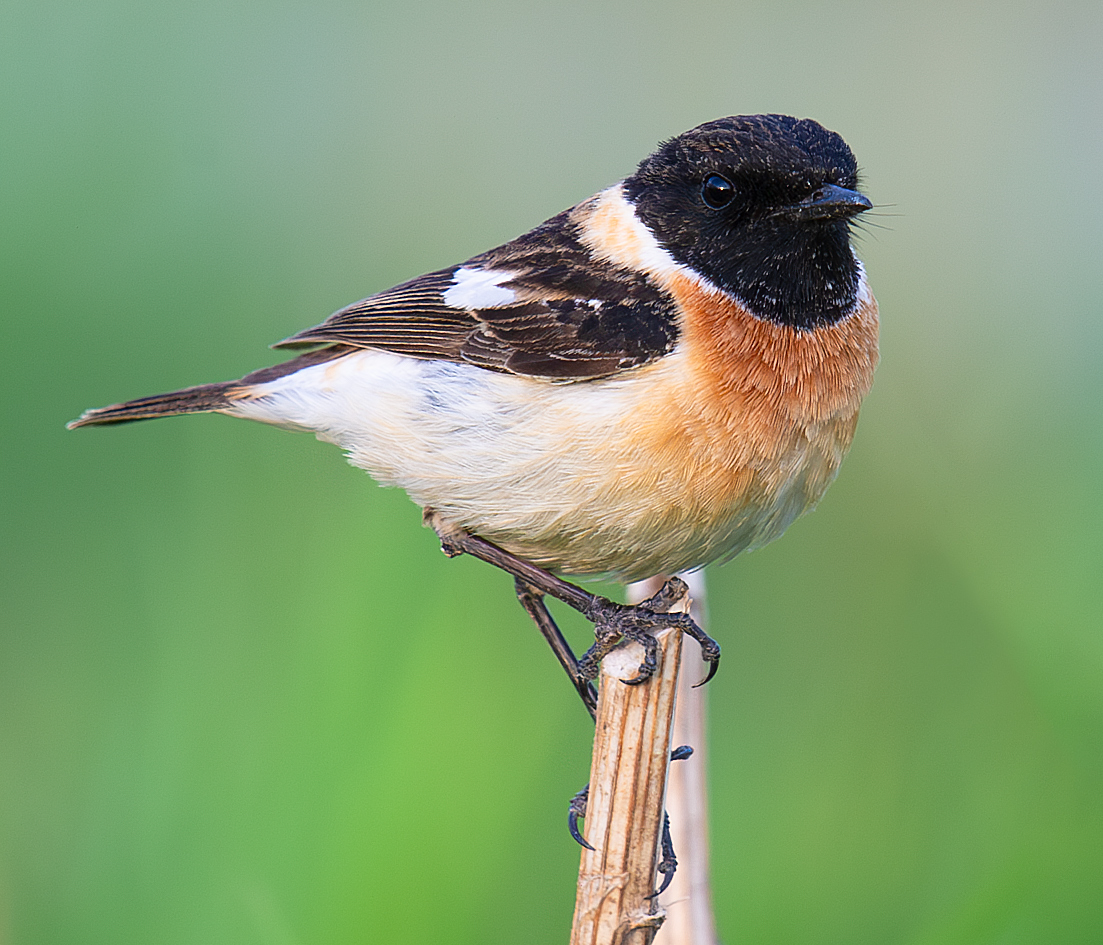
pixel 612 621
pixel 533 602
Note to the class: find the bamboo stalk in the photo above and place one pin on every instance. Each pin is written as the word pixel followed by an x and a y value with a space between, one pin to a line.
pixel 616 880
pixel 688 899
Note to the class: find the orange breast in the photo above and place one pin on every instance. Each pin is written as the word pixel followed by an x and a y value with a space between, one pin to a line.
pixel 768 378
pixel 751 429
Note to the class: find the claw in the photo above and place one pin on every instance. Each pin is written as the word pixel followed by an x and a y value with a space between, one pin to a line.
pixel 576 809
pixel 572 826
pixel 713 666
pixel 667 877
pixel 668 864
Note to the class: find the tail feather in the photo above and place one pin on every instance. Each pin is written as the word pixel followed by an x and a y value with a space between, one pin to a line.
pixel 202 399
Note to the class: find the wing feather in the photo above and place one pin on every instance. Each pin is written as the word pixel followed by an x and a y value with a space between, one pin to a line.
pixel 571 315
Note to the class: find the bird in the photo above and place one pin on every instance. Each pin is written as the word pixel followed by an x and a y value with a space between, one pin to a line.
pixel 662 376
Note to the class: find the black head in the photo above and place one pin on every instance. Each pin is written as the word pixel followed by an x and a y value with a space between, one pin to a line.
pixel 760 205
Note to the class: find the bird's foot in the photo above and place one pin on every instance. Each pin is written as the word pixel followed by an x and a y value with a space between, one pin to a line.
pixel 614 622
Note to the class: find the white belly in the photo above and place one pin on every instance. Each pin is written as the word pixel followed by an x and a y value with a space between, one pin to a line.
pixel 582 477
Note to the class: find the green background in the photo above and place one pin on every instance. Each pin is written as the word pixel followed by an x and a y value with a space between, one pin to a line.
pixel 245 699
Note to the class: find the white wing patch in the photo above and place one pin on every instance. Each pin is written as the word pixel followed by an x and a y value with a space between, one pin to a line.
pixel 478 288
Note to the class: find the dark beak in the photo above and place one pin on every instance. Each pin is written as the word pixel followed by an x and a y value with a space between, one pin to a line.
pixel 828 203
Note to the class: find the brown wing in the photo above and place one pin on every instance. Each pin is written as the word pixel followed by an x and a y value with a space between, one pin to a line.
pixel 549 310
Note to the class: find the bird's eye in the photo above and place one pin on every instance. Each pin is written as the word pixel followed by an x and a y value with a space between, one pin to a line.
pixel 717 191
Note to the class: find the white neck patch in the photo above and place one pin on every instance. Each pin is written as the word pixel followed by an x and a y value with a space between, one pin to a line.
pixel 613 232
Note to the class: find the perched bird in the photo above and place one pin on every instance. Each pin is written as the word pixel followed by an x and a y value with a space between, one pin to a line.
pixel 664 375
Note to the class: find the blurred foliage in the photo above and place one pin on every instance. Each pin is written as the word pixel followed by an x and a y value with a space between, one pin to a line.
pixel 243 698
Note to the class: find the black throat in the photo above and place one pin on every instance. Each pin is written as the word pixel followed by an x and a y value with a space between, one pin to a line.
pixel 799 275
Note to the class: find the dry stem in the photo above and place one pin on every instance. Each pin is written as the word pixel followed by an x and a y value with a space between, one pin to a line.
pixel 614 905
